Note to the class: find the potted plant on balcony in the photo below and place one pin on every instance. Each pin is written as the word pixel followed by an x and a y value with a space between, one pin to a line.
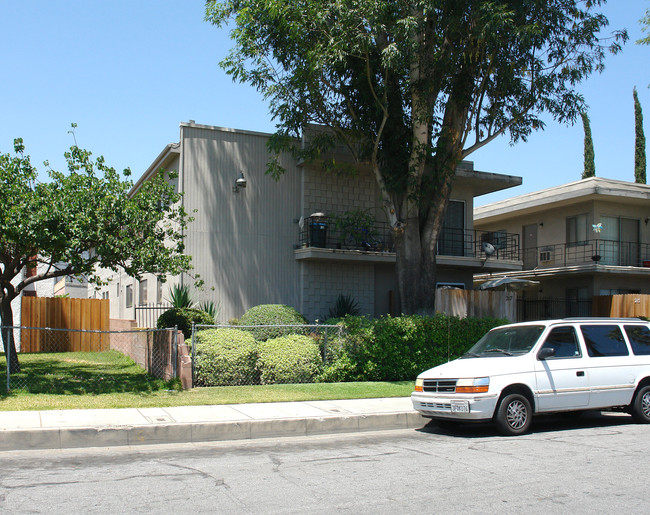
pixel 357 230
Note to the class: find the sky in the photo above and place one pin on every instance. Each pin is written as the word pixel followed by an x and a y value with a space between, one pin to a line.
pixel 128 72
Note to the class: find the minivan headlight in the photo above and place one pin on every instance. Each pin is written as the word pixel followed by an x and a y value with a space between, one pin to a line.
pixel 473 385
pixel 419 383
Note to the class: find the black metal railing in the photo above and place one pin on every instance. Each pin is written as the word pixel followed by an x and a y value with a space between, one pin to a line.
pixel 324 232
pixel 552 308
pixel 603 252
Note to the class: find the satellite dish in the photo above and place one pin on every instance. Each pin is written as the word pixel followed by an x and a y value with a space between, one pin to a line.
pixel 488 248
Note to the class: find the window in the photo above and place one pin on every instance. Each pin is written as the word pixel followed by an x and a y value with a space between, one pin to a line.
pixel 451 286
pixel 639 336
pixel 129 295
pixel 158 291
pixel 564 341
pixel 576 230
pixel 604 340
pixel 105 295
pixel 142 292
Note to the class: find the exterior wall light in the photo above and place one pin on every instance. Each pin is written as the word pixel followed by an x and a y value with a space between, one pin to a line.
pixel 240 182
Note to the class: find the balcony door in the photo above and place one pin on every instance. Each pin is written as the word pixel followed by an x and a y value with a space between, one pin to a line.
pixel 529 245
pixel 619 241
pixel 452 239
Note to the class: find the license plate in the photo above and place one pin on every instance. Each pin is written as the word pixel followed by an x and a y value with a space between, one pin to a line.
pixel 460 406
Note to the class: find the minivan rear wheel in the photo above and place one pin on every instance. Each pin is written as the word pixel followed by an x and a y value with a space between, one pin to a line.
pixel 514 415
pixel 640 406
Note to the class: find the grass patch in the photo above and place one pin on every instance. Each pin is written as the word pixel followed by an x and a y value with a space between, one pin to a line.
pixel 110 380
pixel 81 373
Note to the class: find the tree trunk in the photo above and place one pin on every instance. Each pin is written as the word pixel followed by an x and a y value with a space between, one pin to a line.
pixel 8 334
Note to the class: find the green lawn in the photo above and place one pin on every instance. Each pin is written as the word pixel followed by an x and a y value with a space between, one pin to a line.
pixel 110 380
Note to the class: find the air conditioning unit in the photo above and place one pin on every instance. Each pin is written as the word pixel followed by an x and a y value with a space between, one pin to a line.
pixel 545 255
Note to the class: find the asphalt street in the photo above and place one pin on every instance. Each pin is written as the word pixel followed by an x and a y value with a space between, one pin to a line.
pixel 592 464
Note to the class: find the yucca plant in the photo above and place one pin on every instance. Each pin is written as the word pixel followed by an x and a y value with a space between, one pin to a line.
pixel 180 297
pixel 345 305
pixel 210 308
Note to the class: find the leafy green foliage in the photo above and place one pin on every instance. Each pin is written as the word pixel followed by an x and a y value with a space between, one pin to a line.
pixel 183 318
pixel 645 26
pixel 289 359
pixel 84 220
pixel 399 348
pixel 225 357
pixel 412 87
pixel 345 305
pixel 270 314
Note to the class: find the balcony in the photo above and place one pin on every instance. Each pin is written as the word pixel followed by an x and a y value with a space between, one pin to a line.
pixel 601 252
pixel 327 238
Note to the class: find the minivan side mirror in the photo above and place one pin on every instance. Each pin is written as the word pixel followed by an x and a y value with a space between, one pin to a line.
pixel 545 353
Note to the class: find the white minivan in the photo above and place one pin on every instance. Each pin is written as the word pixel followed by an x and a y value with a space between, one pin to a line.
pixel 519 370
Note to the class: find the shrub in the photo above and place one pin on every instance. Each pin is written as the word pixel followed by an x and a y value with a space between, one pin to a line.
pixel 289 359
pixel 271 314
pixel 183 318
pixel 225 357
pixel 399 348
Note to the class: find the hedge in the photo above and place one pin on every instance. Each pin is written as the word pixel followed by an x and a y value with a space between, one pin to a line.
pixel 399 348
pixel 289 359
pixel 225 357
pixel 271 314
pixel 183 318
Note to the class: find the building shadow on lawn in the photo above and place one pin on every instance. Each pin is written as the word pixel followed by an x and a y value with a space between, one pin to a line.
pixel 541 424
pixel 81 373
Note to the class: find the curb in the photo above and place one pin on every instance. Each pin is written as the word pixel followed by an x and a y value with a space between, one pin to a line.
pixel 198 432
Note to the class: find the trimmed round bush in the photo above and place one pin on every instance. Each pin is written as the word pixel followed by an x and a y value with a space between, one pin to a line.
pixel 289 359
pixel 225 357
pixel 183 318
pixel 271 314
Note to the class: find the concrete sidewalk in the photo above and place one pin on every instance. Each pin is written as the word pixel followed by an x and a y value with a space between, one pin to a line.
pixel 61 429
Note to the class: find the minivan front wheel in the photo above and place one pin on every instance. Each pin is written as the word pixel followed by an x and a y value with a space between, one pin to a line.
pixel 640 407
pixel 514 415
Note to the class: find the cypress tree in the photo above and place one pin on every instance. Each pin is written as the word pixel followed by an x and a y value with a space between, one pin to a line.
pixel 639 142
pixel 590 163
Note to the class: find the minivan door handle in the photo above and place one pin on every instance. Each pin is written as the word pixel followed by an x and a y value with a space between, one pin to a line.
pixel 580 373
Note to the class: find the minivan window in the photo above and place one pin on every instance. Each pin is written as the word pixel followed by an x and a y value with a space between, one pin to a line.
pixel 604 340
pixel 564 341
pixel 639 336
pixel 506 341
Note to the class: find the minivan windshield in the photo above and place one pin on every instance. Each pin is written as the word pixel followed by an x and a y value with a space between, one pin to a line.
pixel 506 341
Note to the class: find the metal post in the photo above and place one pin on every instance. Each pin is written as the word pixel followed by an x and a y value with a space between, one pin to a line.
pixel 175 352
pixel 325 360
pixel 193 353
pixel 8 357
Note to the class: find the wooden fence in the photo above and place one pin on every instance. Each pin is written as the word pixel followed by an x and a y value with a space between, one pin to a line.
pixel 62 313
pixel 628 305
pixel 477 303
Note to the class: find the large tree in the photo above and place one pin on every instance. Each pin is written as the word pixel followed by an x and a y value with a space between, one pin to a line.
pixel 80 221
pixel 639 142
pixel 413 87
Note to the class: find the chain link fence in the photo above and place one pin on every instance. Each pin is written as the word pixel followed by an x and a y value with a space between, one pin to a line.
pixel 76 361
pixel 225 355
